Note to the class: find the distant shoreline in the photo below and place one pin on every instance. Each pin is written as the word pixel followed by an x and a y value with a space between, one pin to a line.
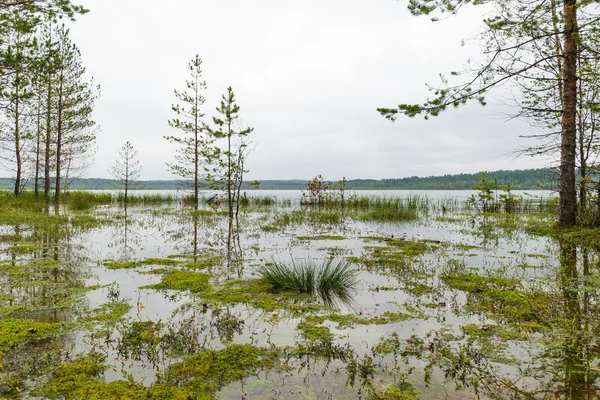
pixel 532 179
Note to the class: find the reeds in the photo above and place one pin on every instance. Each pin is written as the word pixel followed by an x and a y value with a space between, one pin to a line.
pixel 146 198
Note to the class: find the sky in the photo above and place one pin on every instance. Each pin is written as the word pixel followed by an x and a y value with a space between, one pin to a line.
pixel 308 76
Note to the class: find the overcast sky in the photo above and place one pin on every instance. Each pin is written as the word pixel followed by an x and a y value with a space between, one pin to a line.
pixel 308 77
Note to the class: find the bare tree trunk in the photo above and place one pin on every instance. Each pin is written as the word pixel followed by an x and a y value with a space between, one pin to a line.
pixel 196 156
pixel 48 140
pixel 582 147
pixel 59 132
pixel 126 180
pixel 229 194
pixel 567 191
pixel 17 134
pixel 38 145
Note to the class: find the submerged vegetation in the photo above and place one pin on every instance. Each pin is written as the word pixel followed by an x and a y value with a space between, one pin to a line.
pixel 162 301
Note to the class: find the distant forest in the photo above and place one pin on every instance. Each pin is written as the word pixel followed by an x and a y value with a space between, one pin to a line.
pixel 530 179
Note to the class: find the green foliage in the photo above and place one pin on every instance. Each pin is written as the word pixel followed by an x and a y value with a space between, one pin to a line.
pixel 486 201
pixel 127 169
pixel 399 391
pixel 332 281
pixel 14 332
pixel 195 148
pixel 228 172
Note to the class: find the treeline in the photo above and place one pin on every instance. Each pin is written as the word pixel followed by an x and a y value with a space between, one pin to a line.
pixel 47 134
pixel 531 179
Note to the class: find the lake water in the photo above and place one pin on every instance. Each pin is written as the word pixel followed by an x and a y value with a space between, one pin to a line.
pixel 456 304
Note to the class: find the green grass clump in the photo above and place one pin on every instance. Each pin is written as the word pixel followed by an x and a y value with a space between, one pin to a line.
pixel 83 201
pixel 332 280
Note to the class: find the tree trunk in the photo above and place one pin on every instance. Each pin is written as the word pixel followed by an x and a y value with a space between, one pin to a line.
pixel 229 194
pixel 48 140
pixel 59 129
pixel 126 180
pixel 38 144
pixel 583 152
pixel 568 191
pixel 196 144
pixel 17 134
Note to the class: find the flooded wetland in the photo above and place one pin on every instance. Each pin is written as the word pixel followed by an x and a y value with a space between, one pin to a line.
pixel 396 296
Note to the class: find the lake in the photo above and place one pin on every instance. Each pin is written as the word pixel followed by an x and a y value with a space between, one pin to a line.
pixel 159 301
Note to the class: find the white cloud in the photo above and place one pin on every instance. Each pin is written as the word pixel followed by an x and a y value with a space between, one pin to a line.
pixel 308 76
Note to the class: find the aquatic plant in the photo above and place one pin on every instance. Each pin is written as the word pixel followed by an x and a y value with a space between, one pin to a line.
pixel 331 281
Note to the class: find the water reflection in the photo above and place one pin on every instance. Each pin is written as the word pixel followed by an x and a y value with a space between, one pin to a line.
pixel 580 347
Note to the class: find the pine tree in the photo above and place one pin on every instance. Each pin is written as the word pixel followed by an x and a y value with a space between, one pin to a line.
pixel 127 169
pixel 74 102
pixel 195 148
pixel 16 58
pixel 229 173
pixel 515 32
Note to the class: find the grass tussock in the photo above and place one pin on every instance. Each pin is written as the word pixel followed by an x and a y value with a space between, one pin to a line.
pixel 332 281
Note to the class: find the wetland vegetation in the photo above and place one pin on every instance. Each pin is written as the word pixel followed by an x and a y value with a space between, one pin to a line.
pixel 298 300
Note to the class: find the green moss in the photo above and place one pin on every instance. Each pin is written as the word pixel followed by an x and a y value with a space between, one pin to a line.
pixel 322 237
pixel 110 312
pixel 500 332
pixel 253 292
pixel 310 331
pixel 197 377
pixel 466 247
pixel 409 247
pixel 418 289
pixel 261 295
pixel 351 320
pixel 14 332
pixel 476 283
pixel 498 297
pixel 209 370
pixel 398 391
pixel 544 256
pixel 204 263
pixel 134 264
pixel 23 249
pixel 82 379
pixel 195 282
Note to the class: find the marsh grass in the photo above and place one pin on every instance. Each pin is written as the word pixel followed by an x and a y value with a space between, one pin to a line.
pixel 146 199
pixel 262 201
pixel 332 281
pixel 83 201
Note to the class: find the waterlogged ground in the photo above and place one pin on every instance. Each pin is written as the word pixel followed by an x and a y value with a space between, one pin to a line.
pixel 160 302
